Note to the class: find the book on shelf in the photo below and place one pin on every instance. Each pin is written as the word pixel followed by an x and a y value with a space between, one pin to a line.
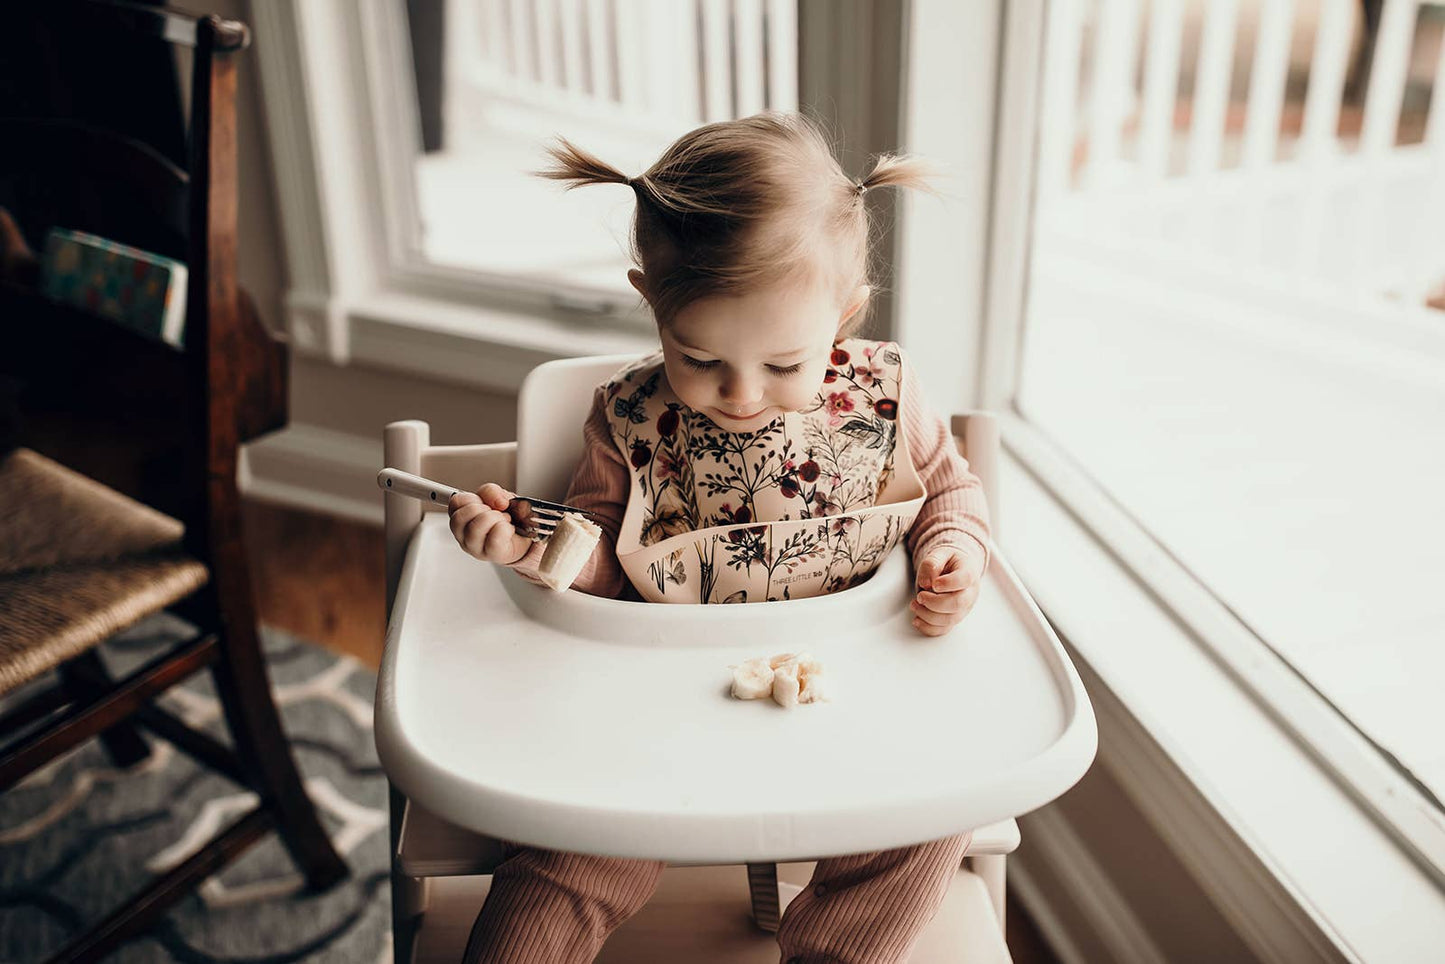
pixel 143 291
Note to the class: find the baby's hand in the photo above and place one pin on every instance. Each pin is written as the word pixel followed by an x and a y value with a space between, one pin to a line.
pixel 482 527
pixel 948 583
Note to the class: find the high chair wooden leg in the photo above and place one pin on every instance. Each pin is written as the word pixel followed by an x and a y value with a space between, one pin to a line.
pixel 991 869
pixel 409 895
pixel 763 888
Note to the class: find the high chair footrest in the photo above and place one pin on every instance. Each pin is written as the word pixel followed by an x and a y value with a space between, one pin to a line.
pixel 701 915
pixel 429 846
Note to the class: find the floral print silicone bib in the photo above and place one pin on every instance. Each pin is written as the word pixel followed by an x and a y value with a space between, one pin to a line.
pixel 809 504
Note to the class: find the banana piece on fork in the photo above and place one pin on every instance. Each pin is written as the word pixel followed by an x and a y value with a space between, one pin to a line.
pixel 569 534
pixel 568 548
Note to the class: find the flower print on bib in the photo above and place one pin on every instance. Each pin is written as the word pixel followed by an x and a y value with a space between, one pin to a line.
pixel 810 503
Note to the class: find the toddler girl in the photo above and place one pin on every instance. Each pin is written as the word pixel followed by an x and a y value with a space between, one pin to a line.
pixel 761 455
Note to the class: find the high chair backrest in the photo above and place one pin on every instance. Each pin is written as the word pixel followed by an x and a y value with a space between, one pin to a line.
pixel 554 400
pixel 976 435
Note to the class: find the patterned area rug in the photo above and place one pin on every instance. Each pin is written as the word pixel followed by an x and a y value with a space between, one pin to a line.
pixel 78 837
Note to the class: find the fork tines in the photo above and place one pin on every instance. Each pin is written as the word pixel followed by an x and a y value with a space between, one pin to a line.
pixel 554 507
pixel 543 517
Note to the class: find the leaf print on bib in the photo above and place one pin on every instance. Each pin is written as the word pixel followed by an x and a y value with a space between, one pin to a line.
pixel 632 407
pixel 668 570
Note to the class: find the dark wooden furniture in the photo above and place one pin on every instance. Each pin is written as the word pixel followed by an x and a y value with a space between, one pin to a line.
pixel 155 423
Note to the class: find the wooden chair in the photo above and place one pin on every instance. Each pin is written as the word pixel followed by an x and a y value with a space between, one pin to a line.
pixel 80 560
pixel 440 871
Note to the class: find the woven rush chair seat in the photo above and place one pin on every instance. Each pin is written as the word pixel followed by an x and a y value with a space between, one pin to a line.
pixel 78 563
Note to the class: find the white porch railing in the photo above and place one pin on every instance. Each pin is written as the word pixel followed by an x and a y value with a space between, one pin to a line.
pixel 1124 129
pixel 1348 199
pixel 1228 331
pixel 621 68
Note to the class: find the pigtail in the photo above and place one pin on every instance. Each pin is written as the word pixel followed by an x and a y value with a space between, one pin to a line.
pixel 897 170
pixel 743 203
pixel 579 168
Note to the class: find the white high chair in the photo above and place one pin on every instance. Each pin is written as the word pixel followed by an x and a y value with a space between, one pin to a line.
pixel 496 699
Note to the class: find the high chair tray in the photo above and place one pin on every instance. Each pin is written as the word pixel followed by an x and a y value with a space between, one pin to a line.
pixel 594 725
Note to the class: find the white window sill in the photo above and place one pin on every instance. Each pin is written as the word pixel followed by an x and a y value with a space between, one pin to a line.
pixel 1298 868
pixel 482 347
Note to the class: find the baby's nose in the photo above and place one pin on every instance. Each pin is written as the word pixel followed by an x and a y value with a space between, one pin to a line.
pixel 737 390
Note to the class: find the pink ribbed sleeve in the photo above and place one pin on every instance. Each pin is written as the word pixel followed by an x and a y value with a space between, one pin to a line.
pixel 954 513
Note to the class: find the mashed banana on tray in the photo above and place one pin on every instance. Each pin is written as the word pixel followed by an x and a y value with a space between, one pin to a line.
pixel 788 678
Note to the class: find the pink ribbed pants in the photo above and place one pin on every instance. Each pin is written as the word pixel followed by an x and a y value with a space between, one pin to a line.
pixel 547 907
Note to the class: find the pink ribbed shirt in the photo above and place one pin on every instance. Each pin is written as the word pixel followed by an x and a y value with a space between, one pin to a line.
pixel 954 512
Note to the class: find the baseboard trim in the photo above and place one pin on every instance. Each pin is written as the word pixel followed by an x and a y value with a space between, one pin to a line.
pixel 1044 914
pixel 1053 843
pixel 316 469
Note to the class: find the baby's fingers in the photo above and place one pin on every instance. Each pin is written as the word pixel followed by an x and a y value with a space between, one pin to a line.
pixel 933 628
pixel 495 496
pixel 462 513
pixel 922 614
pixel 502 544
pixel 941 602
pixel 953 580
pixel 477 531
pixel 460 499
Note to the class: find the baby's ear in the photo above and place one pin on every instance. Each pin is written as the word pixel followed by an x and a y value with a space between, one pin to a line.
pixel 639 281
pixel 855 303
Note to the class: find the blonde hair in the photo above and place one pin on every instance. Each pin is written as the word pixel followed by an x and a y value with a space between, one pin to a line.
pixel 742 203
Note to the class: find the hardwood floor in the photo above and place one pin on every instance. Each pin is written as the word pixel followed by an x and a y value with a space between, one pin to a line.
pixel 322 578
pixel 319 577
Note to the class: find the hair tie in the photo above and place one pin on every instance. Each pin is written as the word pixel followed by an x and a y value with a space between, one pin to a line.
pixel 860 187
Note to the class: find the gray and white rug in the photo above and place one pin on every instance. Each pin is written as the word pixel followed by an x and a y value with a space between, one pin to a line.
pixel 78 837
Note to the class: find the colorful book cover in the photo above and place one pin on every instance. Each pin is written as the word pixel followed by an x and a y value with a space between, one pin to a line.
pixel 143 291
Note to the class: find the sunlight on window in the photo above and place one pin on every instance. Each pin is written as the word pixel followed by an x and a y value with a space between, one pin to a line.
pixel 620 78
pixel 1236 319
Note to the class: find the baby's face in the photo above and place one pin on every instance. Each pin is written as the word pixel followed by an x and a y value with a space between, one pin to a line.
pixel 744 360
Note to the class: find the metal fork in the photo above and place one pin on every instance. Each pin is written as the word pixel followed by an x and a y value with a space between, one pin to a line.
pixel 534 518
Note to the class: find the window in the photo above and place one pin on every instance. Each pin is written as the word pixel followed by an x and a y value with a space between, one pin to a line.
pixel 402 134
pixel 498 80
pixel 1234 341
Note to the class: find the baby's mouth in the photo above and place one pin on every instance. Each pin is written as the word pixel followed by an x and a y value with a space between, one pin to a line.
pixel 741 418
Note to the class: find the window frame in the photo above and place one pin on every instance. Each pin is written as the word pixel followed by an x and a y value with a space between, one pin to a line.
pixel 1368 799
pixel 358 291
pixel 361 291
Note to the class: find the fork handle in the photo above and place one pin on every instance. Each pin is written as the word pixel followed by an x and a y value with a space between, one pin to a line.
pixel 414 486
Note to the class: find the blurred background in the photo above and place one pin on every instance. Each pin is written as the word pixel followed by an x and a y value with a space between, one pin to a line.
pixel 1210 237
pixel 1193 251
pixel 1228 282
